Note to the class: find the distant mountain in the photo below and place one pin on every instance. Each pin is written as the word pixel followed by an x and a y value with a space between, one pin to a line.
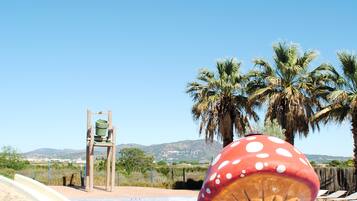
pixel 326 158
pixel 55 153
pixel 188 150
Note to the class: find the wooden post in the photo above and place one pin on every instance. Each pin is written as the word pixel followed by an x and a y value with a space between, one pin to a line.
pixel 172 174
pixel 110 119
pixel 108 164
pixel 64 181
pixel 71 180
pixel 113 158
pixel 184 175
pixel 111 149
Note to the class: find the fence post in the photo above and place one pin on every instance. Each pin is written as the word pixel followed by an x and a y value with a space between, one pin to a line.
pixel 82 178
pixel 49 172
pixel 64 180
pixel 172 174
pixel 184 175
pixel 118 180
pixel 152 177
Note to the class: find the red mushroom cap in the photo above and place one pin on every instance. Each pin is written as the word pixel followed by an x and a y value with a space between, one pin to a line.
pixel 260 167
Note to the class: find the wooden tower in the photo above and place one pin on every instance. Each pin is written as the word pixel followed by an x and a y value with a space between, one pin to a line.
pixel 109 143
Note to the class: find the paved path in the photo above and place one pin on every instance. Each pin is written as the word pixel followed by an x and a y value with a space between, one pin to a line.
pixel 127 194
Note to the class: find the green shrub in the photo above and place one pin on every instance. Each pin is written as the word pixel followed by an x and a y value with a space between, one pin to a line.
pixel 10 158
pixel 341 164
pixel 134 159
pixel 161 163
pixel 165 170
pixel 7 172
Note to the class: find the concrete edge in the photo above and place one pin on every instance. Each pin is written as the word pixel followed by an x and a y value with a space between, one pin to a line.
pixel 22 190
pixel 50 193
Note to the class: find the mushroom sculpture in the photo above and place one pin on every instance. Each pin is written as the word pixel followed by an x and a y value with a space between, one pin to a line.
pixel 260 168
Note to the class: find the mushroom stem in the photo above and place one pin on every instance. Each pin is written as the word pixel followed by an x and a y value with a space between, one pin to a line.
pixel 274 199
pixel 235 198
pixel 246 195
pixel 263 198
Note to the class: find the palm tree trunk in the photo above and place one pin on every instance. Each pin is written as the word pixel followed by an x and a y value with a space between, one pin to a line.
pixel 228 139
pixel 227 130
pixel 289 136
pixel 354 134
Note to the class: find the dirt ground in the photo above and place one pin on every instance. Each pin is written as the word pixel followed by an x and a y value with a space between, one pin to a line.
pixel 8 194
pixel 123 192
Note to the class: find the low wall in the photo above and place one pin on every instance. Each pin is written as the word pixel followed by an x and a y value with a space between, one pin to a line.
pixel 21 190
pixel 49 193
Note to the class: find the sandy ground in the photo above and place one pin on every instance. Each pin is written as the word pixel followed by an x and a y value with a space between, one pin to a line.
pixel 123 192
pixel 8 194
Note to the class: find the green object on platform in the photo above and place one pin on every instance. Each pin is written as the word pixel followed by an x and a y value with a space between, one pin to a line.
pixel 101 127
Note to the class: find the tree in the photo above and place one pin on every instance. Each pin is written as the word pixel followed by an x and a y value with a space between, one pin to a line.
pixel 288 88
pixel 161 163
pixel 271 128
pixel 220 101
pixel 10 158
pixel 134 159
pixel 342 101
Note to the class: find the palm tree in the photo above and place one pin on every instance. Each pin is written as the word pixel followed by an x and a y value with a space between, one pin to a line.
pixel 220 101
pixel 342 101
pixel 289 88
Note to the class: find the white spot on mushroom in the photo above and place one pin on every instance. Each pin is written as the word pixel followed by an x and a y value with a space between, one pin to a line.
pixel 216 159
pixel 266 164
pixel 219 176
pixel 303 161
pixel 262 155
pixel 297 151
pixel 213 176
pixel 276 140
pixel 254 147
pixel 244 171
pixel 281 168
pixel 234 144
pixel 259 166
pixel 283 152
pixel 203 195
pixel 242 175
pixel 224 163
pixel 236 162
pixel 229 176
pixel 208 190
pixel 218 181
pixel 251 138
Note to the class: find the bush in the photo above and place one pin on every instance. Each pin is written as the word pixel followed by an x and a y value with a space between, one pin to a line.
pixel 165 170
pixel 134 159
pixel 7 172
pixel 161 163
pixel 10 158
pixel 341 164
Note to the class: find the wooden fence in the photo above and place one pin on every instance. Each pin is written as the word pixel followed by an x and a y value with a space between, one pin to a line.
pixel 331 179
pixel 334 179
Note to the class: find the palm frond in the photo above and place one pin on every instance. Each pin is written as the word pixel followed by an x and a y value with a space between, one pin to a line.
pixel 220 100
pixel 349 64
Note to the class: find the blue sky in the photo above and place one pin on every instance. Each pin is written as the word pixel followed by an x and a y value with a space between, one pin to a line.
pixel 58 58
